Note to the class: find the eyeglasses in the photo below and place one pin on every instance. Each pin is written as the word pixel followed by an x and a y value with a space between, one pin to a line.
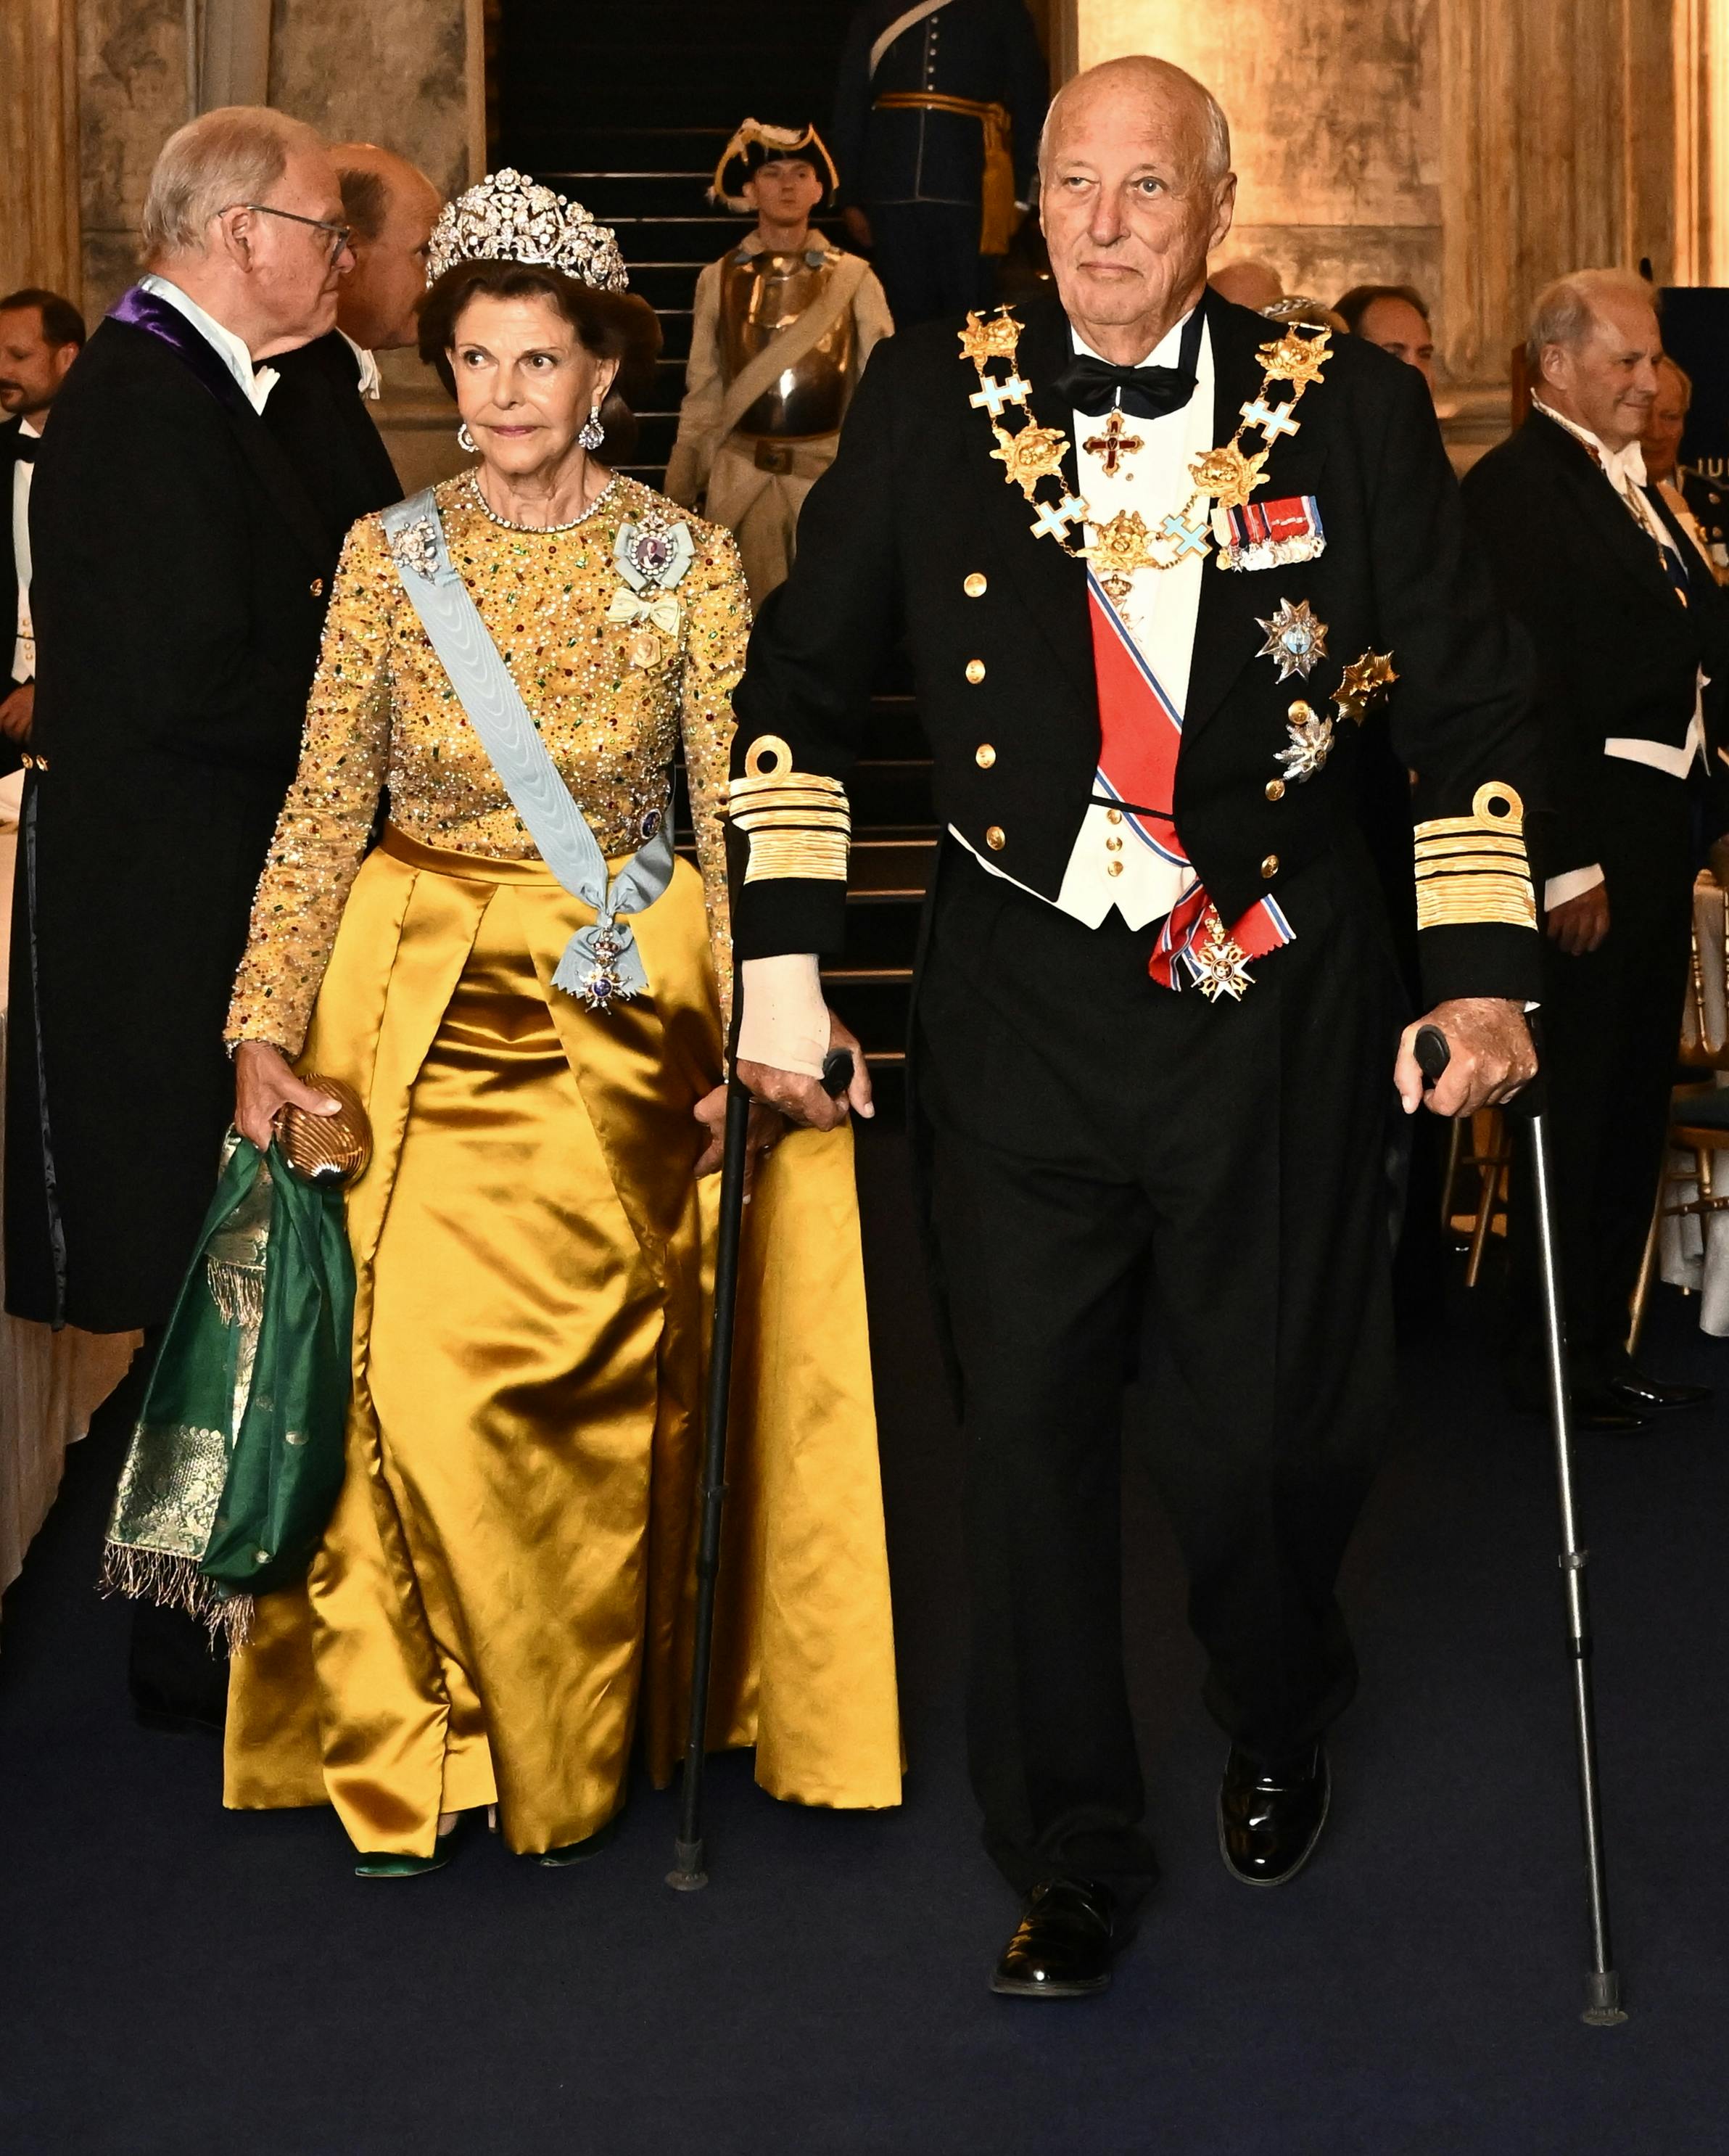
pixel 341 235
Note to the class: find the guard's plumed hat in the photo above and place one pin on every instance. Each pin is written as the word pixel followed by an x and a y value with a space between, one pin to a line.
pixel 755 144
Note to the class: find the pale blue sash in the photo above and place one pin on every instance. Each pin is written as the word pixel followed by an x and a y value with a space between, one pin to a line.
pixel 599 963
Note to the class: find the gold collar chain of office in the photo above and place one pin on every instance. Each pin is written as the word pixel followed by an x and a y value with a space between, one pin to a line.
pixel 1031 454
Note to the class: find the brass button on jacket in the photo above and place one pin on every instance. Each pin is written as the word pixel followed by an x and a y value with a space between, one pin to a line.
pixel 1113 868
pixel 1300 710
pixel 975 586
pixel 1269 866
pixel 995 838
pixel 975 670
pixel 984 756
pixel 1275 789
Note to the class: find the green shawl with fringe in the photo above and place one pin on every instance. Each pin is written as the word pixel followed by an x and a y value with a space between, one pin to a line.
pixel 236 1458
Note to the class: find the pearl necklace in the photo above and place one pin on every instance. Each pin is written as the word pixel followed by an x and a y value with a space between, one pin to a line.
pixel 509 523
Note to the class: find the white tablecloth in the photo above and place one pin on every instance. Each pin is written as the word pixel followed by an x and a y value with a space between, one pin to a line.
pixel 50 1383
pixel 1694 1253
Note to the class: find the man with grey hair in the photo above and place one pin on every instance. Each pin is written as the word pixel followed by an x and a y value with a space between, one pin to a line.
pixel 1632 638
pixel 1148 772
pixel 179 579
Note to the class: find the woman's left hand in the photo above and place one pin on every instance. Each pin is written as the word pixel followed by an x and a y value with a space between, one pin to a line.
pixel 767 1128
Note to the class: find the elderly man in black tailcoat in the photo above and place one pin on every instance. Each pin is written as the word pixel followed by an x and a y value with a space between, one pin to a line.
pixel 181 576
pixel 1157 1018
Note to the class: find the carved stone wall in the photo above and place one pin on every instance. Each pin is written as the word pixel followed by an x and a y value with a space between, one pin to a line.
pixel 133 93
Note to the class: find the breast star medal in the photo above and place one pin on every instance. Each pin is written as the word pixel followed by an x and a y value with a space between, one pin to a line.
pixel 1294 638
pixel 1362 682
pixel 1312 740
pixel 1221 964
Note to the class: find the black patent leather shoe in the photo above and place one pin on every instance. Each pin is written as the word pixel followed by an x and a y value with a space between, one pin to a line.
pixel 1648 1396
pixel 1590 1407
pixel 1270 1817
pixel 1063 1944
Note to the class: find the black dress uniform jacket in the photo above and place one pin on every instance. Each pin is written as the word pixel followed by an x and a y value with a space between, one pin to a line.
pixel 984 50
pixel 317 413
pixel 181 577
pixel 922 507
pixel 10 435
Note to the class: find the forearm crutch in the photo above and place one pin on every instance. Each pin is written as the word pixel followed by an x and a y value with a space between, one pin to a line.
pixel 687 1874
pixel 1603 1986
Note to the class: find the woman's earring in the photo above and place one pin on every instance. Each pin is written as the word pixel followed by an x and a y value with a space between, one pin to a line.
pixel 593 434
pixel 465 440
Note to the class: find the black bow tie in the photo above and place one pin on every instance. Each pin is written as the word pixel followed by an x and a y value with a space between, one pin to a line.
pixel 23 449
pixel 1093 386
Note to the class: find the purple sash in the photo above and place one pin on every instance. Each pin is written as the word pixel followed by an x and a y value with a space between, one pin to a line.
pixel 146 311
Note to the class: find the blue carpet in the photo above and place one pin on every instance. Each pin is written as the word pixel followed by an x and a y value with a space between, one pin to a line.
pixel 174 1978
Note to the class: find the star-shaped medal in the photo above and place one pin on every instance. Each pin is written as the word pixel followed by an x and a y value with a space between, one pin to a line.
pixel 1294 638
pixel 995 338
pixel 1294 358
pixel 1227 475
pixel 1361 681
pixel 1221 964
pixel 1312 740
pixel 1034 453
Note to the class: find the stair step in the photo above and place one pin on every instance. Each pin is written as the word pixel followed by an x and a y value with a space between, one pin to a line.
pixel 877 1011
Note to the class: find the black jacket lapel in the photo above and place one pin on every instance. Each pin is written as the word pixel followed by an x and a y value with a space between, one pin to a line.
pixel 1600 509
pixel 1052 583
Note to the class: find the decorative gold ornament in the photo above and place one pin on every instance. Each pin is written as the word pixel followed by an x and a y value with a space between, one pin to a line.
pixel 1117 549
pixel 1034 453
pixel 997 338
pixel 1221 965
pixel 1295 639
pixel 1295 358
pixel 1362 682
pixel 1227 475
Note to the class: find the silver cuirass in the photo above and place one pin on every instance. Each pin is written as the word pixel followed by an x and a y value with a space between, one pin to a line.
pixel 760 294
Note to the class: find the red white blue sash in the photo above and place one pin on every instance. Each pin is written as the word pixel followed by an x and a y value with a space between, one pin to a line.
pixel 1140 735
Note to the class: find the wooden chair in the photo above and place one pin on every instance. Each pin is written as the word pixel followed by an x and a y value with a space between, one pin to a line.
pixel 1699 1113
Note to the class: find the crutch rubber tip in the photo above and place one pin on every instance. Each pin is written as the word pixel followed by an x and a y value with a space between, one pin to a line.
pixel 687 1875
pixel 1603 2000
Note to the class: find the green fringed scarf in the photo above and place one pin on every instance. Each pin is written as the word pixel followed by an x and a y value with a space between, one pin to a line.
pixel 237 1459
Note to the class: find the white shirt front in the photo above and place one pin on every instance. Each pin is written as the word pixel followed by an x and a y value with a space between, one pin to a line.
pixel 256 384
pixel 1109 864
pixel 371 382
pixel 23 644
pixel 1625 468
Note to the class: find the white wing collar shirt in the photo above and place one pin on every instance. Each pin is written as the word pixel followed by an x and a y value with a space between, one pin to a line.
pixel 23 642
pixel 1111 864
pixel 256 384
pixel 1624 469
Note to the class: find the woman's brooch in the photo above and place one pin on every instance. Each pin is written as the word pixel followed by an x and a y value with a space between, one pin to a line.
pixel 653 553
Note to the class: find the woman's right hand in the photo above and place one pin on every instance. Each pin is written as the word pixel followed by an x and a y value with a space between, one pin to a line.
pixel 265 1084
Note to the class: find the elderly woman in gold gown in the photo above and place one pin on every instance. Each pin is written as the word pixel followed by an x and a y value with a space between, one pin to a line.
pixel 502 1598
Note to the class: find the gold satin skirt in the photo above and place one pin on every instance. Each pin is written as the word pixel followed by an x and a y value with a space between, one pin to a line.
pixel 503 1595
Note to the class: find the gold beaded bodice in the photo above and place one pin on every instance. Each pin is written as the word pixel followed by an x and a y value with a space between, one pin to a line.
pixel 612 689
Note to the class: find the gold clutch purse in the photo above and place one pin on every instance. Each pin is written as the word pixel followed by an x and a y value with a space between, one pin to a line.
pixel 327 1149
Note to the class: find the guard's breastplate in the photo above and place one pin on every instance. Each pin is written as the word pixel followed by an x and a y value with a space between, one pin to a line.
pixel 760 294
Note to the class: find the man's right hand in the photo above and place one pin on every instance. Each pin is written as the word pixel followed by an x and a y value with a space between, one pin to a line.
pixel 1579 924
pixel 16 712
pixel 858 224
pixel 802 1099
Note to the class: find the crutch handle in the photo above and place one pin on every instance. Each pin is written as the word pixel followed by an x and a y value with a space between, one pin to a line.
pixel 837 1072
pixel 1433 1052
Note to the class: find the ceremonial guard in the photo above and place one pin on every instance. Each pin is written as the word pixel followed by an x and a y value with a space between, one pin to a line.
pixel 1154 556
pixel 937 132
pixel 783 323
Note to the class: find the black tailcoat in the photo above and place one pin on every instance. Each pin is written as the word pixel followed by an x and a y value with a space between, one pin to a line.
pixel 181 576
pixel 317 413
pixel 10 434
pixel 1118 1175
pixel 1618 654
pixel 914 504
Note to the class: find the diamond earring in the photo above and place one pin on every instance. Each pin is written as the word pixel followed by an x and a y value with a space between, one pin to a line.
pixel 593 434
pixel 465 440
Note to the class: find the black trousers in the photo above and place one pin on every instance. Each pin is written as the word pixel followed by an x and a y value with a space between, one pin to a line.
pixel 926 255
pixel 1611 1026
pixel 1125 1179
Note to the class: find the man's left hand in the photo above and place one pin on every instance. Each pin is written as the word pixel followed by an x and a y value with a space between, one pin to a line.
pixel 1492 1058
pixel 18 711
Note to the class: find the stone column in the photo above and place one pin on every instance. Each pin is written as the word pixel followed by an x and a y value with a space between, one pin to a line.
pixel 234 54
pixel 38 146
pixel 135 89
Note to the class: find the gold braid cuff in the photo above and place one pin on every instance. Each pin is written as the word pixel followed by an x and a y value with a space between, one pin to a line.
pixel 1473 870
pixel 799 822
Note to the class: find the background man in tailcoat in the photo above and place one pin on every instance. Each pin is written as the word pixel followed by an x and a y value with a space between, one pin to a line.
pixel 41 334
pixel 1147 771
pixel 936 132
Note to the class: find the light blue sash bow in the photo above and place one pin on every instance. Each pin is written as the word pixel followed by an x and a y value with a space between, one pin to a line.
pixel 602 963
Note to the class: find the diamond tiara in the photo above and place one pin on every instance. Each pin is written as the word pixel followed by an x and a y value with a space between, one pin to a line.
pixel 508 216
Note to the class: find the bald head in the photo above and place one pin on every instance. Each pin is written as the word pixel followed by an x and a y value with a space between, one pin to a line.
pixel 390 205
pixel 1135 190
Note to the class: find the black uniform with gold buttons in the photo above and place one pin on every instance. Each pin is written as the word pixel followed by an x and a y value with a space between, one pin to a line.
pixel 1128 1174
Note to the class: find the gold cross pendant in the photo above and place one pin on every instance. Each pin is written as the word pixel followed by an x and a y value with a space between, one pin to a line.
pixel 1113 445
